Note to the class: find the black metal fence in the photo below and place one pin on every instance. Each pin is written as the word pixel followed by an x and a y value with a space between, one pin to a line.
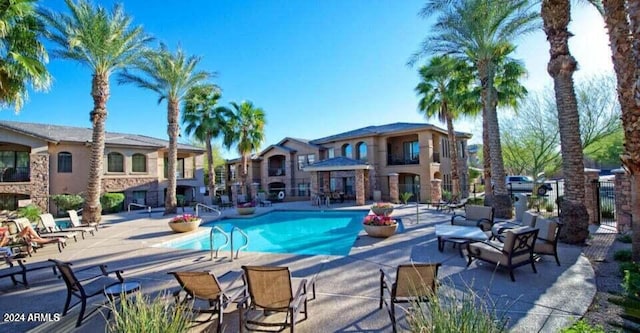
pixel 606 199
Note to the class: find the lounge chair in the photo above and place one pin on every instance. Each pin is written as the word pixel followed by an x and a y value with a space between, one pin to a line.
pixel 475 216
pixel 272 290
pixel 22 223
pixel 498 229
pixel 456 204
pixel 49 224
pixel 516 251
pixel 17 267
pixel 219 294
pixel 547 241
pixel 75 220
pixel 413 283
pixel 225 202
pixel 85 288
pixel 262 199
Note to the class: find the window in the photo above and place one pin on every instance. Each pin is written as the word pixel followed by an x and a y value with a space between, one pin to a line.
pixel 311 158
pixel 115 162
pixel 301 161
pixel 64 162
pixel 346 151
pixel 446 152
pixel 331 153
pixel 411 150
pixel 139 197
pixel 138 163
pixel 303 189
pixel 179 168
pixel 362 151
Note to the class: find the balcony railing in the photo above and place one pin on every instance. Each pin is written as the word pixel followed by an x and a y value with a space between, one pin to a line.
pixel 15 175
pixel 274 172
pixel 407 160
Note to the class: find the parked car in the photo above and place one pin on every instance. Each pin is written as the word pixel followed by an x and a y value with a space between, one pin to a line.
pixel 521 183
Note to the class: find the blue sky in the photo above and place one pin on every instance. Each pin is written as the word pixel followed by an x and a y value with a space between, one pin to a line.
pixel 317 67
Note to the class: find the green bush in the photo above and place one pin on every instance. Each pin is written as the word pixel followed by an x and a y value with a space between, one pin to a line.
pixel 607 210
pixel 549 206
pixel 446 195
pixel 479 188
pixel 626 238
pixel 622 255
pixel 66 202
pixel 141 314
pixel 476 201
pixel 180 200
pixel 31 212
pixel 581 326
pixel 405 196
pixel 112 202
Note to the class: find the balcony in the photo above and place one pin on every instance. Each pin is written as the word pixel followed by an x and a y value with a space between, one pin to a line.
pixel 435 158
pixel 400 160
pixel 276 172
pixel 12 175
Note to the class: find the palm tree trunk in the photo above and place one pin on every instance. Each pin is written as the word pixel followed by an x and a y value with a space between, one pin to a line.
pixel 501 200
pixel 245 172
pixel 556 16
pixel 625 57
pixel 92 210
pixel 212 173
pixel 455 179
pixel 170 202
pixel 486 162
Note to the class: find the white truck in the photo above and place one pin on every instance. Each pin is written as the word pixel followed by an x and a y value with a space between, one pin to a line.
pixel 525 184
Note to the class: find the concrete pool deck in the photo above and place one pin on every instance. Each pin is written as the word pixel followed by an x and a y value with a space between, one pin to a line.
pixel 347 287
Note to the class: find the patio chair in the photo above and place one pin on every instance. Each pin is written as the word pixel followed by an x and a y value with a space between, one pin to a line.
pixel 17 243
pixel 413 283
pixel 49 224
pixel 18 267
pixel 75 220
pixel 547 242
pixel 225 202
pixel 475 216
pixel 272 290
pixel 22 223
pixel 456 204
pixel 219 294
pixel 262 198
pixel 498 229
pixel 87 287
pixel 516 251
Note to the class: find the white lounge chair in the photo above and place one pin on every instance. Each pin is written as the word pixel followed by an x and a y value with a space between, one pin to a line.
pixel 75 220
pixel 49 223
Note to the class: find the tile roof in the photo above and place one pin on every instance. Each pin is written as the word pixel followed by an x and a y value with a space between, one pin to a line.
pixel 379 130
pixel 59 133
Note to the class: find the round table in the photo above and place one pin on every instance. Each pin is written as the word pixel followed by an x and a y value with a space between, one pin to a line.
pixel 114 292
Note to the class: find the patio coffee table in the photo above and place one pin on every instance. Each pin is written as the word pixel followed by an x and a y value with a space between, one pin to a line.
pixel 457 234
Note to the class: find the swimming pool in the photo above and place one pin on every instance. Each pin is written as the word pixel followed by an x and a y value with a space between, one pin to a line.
pixel 298 232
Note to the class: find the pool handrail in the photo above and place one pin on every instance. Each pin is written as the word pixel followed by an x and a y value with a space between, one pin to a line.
pixel 246 241
pixel 226 236
pixel 213 209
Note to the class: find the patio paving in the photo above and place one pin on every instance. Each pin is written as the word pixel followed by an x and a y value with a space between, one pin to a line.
pixel 347 287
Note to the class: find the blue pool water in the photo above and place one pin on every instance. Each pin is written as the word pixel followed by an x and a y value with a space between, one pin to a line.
pixel 298 232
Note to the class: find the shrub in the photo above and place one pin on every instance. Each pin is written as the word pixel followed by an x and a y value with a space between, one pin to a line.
pixel 404 197
pixel 180 200
pixel 478 188
pixel 141 314
pixel 607 210
pixel 549 206
pixel 581 326
pixel 476 201
pixel 31 212
pixel 622 255
pixel 626 238
pixel 446 195
pixel 112 202
pixel 66 202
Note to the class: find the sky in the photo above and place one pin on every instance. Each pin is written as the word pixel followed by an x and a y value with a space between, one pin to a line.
pixel 316 67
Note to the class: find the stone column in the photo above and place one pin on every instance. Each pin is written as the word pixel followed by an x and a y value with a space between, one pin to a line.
pixel 360 199
pixel 314 183
pixel 235 190
pixel 367 185
pixel 622 185
pixel 39 179
pixel 591 194
pixel 254 192
pixel 436 190
pixel 326 182
pixel 394 193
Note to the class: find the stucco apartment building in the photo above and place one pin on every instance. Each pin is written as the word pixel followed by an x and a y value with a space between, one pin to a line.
pixel 39 160
pixel 374 162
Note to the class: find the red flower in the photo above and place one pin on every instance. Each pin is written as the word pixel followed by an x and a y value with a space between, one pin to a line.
pixel 378 220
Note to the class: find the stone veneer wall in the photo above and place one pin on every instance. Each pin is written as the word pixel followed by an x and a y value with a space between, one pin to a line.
pixel 133 184
pixel 39 185
pixel 394 192
pixel 622 185
pixel 436 190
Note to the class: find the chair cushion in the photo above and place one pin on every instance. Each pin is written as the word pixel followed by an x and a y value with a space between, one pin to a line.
pixel 547 229
pixel 542 246
pixel 473 212
pixel 464 222
pixel 486 252
pixel 529 219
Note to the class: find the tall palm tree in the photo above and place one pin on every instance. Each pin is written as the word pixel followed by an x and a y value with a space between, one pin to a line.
pixel 556 16
pixel 105 42
pixel 206 120
pixel 444 84
pixel 621 19
pixel 22 55
pixel 481 32
pixel 246 131
pixel 171 75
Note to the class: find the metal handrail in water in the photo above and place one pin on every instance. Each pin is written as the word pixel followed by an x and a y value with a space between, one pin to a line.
pixel 226 236
pixel 246 241
pixel 213 209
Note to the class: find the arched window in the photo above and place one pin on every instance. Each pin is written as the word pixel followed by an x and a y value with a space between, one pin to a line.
pixel 138 163
pixel 64 162
pixel 347 151
pixel 115 162
pixel 361 151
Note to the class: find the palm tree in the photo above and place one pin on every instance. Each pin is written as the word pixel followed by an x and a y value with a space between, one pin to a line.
pixel 105 42
pixel 247 131
pixel 621 20
pixel 171 75
pixel 206 120
pixel 481 32
pixel 444 84
pixel 556 16
pixel 22 55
